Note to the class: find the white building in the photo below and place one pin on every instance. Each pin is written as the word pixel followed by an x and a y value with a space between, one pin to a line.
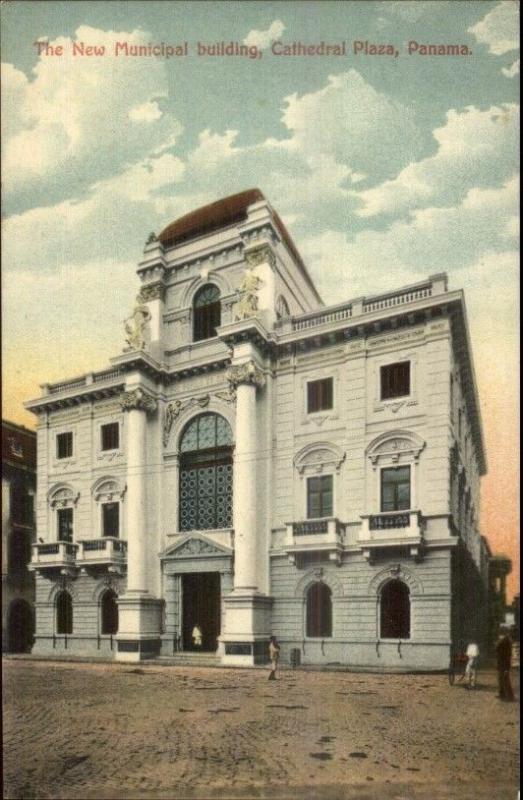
pixel 255 463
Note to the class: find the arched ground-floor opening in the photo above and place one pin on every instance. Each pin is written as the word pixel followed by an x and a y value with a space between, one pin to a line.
pixel 20 627
pixel 201 610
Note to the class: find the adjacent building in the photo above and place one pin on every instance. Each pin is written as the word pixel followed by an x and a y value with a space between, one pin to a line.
pixel 257 463
pixel 18 536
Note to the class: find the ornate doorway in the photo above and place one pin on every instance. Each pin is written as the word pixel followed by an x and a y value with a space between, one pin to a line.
pixel 201 607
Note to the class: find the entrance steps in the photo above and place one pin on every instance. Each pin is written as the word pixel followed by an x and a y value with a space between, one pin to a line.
pixel 189 659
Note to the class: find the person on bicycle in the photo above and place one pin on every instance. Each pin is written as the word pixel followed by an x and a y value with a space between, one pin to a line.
pixel 472 664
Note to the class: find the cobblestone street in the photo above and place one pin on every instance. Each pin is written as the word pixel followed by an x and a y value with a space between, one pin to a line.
pixel 155 731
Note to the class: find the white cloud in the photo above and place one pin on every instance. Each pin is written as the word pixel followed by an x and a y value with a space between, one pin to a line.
pixel 474 146
pixel 348 119
pixel 78 114
pixel 433 240
pixel 499 28
pixel 511 71
pixel 147 112
pixel 262 39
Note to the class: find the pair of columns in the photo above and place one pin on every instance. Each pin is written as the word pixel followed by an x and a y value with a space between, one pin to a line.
pixel 136 606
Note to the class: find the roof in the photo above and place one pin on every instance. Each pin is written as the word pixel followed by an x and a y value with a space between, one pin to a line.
pixel 18 445
pixel 221 214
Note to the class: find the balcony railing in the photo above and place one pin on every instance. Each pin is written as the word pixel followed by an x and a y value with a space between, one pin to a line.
pixel 382 522
pixel 53 555
pixel 435 285
pixel 106 551
pixel 314 535
pixel 391 529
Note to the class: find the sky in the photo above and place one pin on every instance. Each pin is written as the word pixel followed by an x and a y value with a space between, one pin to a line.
pixel 385 169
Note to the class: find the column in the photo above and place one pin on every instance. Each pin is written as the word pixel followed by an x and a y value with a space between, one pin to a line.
pixel 246 627
pixel 139 613
pixel 246 378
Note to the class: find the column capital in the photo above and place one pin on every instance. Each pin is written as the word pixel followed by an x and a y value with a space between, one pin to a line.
pixel 153 291
pixel 248 373
pixel 259 254
pixel 138 399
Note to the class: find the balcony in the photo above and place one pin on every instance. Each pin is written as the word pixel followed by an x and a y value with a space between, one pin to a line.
pixel 315 536
pixel 391 529
pixel 53 556
pixel 107 552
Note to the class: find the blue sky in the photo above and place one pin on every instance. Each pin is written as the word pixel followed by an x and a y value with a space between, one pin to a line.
pixel 384 169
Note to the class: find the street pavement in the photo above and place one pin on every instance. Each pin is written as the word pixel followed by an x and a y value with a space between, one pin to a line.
pixel 95 730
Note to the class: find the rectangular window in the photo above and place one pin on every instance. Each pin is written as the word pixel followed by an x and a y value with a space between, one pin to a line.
pixel 319 395
pixel 110 435
pixel 65 524
pixel 395 380
pixel 319 497
pixel 64 445
pixel 111 519
pixel 395 489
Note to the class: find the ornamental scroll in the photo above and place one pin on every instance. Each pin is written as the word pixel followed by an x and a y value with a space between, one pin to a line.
pixel 138 399
pixel 155 291
pixel 175 407
pixel 246 373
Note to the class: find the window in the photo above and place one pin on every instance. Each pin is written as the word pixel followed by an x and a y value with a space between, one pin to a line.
pixel 395 380
pixel 19 552
pixel 319 611
pixel 206 312
pixel 64 613
pixel 206 474
pixel 65 524
pixel 109 613
pixel 110 435
pixel 319 497
pixel 111 519
pixel 395 489
pixel 64 445
pixel 319 395
pixel 395 610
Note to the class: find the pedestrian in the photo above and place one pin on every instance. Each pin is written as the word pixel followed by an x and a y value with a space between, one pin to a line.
pixel 504 662
pixel 197 636
pixel 472 664
pixel 274 656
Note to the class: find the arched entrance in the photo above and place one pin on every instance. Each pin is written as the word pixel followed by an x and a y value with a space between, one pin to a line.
pixel 20 627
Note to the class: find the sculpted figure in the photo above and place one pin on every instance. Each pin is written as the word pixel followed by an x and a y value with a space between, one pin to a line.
pixel 247 305
pixel 135 326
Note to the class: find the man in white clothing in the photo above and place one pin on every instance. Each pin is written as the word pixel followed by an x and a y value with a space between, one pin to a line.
pixel 472 664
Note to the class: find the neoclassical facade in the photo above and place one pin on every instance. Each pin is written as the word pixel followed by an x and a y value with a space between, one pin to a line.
pixel 256 463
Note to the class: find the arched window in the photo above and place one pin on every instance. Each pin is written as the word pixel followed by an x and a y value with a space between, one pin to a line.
pixel 64 613
pixel 109 613
pixel 206 474
pixel 319 610
pixel 395 610
pixel 206 312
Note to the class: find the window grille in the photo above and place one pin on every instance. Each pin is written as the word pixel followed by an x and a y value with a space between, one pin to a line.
pixel 206 474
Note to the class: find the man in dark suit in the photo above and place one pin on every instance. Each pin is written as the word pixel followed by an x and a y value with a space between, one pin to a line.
pixel 504 663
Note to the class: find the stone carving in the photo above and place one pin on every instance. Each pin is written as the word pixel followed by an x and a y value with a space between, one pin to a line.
pixel 246 373
pixel 152 238
pixel 196 547
pixel 135 326
pixel 138 399
pixel 228 396
pixel 155 291
pixel 319 455
pixel 247 305
pixel 175 407
pixel 259 255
